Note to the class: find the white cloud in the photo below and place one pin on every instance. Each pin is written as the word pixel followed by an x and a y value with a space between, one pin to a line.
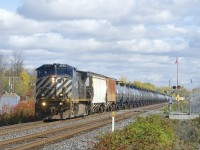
pixel 12 23
pixel 152 46
pixel 67 9
pixel 137 39
pixel 50 41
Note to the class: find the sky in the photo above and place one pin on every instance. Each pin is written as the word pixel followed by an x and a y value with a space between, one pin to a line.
pixel 137 39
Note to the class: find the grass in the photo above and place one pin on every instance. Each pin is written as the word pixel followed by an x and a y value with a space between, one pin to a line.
pixel 154 133
pixel 150 133
pixel 182 107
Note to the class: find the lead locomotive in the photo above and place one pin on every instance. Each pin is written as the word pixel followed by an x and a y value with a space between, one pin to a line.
pixel 62 92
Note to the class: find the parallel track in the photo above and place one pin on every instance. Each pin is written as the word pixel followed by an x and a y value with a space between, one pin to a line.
pixel 27 126
pixel 15 126
pixel 54 135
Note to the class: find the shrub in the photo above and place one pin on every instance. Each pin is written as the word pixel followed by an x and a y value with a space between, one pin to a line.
pixel 153 132
pixel 23 112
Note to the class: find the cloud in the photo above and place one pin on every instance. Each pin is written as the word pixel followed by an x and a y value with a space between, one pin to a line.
pixel 12 23
pixel 50 41
pixel 137 39
pixel 76 9
pixel 152 46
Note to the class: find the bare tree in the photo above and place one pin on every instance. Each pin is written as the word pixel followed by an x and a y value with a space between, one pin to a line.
pixel 17 63
pixel 2 71
pixel 1 64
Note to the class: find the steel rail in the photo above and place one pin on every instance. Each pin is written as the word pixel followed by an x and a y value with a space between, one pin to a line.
pixel 71 133
pixel 18 128
pixel 88 124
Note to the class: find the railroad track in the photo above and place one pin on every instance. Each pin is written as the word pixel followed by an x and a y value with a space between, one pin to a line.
pixel 10 127
pixel 38 124
pixel 51 136
pixel 27 126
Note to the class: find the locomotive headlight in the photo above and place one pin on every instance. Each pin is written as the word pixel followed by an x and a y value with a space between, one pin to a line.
pixel 61 103
pixel 61 94
pixel 53 80
pixel 43 104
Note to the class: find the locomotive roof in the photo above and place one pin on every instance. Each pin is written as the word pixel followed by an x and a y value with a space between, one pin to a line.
pixel 55 64
pixel 94 74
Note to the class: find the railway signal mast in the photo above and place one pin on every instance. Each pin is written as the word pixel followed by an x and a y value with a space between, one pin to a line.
pixel 177 86
pixel 177 76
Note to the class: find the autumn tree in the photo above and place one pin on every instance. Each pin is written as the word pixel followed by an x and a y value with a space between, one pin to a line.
pixel 33 75
pixel 22 84
pixel 123 79
pixel 183 91
pixel 138 84
pixel 164 90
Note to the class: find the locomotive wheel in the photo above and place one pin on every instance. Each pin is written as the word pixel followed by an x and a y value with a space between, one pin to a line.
pixel 117 107
pixel 113 107
pixel 88 110
pixel 61 115
pixel 110 108
pixel 101 109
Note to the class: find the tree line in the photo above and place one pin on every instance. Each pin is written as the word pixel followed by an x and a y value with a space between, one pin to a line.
pixel 14 78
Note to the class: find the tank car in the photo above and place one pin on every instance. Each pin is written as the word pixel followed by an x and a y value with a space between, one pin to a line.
pixel 131 96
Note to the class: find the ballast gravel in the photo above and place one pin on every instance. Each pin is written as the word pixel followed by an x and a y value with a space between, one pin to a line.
pixel 83 141
pixel 87 140
pixel 41 129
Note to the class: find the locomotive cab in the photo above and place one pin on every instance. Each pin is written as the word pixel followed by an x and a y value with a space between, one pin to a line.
pixel 53 88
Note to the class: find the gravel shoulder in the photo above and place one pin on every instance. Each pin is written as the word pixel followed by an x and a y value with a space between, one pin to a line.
pixel 87 140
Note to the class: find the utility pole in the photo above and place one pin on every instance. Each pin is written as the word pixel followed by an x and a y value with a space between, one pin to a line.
pixel 170 99
pixel 11 83
pixel 177 75
pixel 177 83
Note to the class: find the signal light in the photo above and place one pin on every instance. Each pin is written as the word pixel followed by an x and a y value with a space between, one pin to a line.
pixel 178 87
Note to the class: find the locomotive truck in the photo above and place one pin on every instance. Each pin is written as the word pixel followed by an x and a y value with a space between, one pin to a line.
pixel 63 92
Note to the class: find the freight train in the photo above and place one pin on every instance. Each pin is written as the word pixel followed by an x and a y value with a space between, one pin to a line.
pixel 63 92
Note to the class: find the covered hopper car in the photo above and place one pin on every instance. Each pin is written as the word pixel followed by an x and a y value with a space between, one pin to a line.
pixel 63 92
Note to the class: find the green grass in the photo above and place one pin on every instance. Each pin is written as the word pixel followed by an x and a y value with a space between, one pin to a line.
pixel 154 133
pixel 148 133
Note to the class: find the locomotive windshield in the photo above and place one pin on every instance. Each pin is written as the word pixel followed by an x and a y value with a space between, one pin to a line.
pixel 62 69
pixel 45 71
pixel 55 69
